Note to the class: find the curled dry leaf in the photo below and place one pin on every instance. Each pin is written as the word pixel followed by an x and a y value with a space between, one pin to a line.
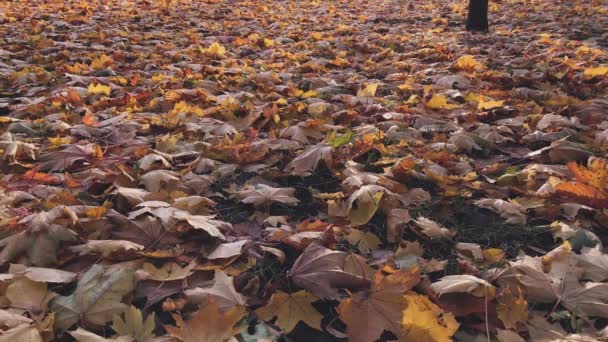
pixel 463 283
pixel 106 247
pixel 222 291
pixel 321 271
pixel 432 229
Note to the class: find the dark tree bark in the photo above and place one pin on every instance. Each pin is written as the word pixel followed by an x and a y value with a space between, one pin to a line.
pixel 478 16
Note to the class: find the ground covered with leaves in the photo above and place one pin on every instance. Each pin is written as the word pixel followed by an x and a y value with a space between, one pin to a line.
pixel 303 170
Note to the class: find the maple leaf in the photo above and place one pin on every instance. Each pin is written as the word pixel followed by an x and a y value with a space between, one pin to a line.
pixel 512 308
pixel 591 186
pixel 215 50
pixel 155 181
pixel 99 89
pixel 365 241
pixel 367 313
pixel 468 63
pixel 368 91
pixel 560 283
pixel 134 325
pixel 146 231
pixel 222 290
pixel 291 308
pixel 39 242
pixel 29 295
pixel 321 271
pixel 167 272
pixel 64 159
pixel 208 324
pixel 423 320
pixel 39 331
pixel 262 194
pixel 363 204
pixel 97 297
pixel 305 163
pixel 595 175
pixel 302 132
pixel 438 101
pixel 14 149
pixel 583 193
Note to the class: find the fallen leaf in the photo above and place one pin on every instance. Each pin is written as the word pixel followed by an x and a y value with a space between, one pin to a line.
pixel 463 283
pixel 208 324
pixel 167 272
pixel 97 297
pixel 512 308
pixel 222 290
pixel 134 325
pixel 99 89
pixel 423 320
pixel 432 229
pixel 262 194
pixel 321 271
pixel 368 313
pixel 291 308
pixel 368 91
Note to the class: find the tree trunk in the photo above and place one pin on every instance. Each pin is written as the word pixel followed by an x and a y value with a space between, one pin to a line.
pixel 478 15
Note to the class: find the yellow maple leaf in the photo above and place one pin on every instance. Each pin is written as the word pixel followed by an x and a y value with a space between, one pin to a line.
pixel 368 91
pixel 316 36
pixel 469 63
pixel 309 94
pixel 98 212
pixel 215 50
pixel 180 112
pixel 99 89
pixel 58 141
pixel 134 325
pixel 439 102
pixel 101 62
pixel 483 104
pixel 291 308
pixel 367 205
pixel 512 308
pixel 365 241
pixel 268 42
pixel 423 320
pixel 596 72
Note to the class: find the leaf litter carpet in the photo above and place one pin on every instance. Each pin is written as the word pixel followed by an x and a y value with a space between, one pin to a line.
pixel 303 170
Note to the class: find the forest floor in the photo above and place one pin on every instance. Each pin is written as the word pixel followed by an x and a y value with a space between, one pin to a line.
pixel 303 170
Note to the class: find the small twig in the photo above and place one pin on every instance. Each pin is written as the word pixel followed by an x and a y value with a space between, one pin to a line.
pixel 486 314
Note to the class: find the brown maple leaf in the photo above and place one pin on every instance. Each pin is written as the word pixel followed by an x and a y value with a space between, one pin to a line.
pixel 321 271
pixel 368 313
pixel 208 324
